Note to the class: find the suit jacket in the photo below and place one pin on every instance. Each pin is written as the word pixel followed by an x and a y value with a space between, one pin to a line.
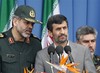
pixel 80 55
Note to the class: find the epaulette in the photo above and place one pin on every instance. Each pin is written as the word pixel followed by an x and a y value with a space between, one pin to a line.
pixel 2 35
pixel 35 37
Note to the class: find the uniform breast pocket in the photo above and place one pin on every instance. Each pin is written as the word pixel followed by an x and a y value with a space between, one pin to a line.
pixel 9 58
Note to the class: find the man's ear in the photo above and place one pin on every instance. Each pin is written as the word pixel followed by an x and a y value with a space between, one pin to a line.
pixel 50 33
pixel 15 21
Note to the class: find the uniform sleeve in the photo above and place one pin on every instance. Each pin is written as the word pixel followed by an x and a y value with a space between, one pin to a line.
pixel 89 66
pixel 39 63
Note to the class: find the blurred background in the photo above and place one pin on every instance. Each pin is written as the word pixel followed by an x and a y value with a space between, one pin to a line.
pixel 78 13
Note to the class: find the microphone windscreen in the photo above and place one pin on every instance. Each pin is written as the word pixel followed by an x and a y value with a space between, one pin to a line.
pixel 51 49
pixel 67 49
pixel 59 49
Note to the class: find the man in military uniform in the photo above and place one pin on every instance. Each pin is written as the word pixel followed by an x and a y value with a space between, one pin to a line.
pixel 96 60
pixel 18 47
pixel 86 35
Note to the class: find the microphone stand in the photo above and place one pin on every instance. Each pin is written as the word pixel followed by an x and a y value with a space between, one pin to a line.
pixel 52 69
pixel 59 57
pixel 51 60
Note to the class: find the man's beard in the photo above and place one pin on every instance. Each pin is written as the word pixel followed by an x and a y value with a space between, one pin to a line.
pixel 25 35
pixel 61 41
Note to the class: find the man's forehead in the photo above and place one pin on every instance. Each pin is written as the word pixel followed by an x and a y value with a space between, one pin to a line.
pixel 60 25
pixel 88 36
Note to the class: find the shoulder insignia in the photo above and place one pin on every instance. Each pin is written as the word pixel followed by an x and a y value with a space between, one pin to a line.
pixel 1 35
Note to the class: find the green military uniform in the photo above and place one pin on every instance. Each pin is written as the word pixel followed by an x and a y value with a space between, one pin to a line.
pixel 15 55
pixel 96 60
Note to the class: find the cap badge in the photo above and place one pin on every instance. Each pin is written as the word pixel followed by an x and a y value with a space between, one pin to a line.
pixel 31 13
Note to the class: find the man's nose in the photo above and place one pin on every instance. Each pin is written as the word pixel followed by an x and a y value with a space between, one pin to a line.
pixel 90 43
pixel 30 25
pixel 62 30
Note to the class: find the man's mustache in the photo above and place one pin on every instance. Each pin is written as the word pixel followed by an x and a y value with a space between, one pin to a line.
pixel 63 35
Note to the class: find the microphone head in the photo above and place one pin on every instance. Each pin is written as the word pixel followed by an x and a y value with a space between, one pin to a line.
pixel 59 49
pixel 67 49
pixel 51 49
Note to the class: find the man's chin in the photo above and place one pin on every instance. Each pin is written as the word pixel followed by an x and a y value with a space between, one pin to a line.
pixel 62 41
pixel 26 35
pixel 92 53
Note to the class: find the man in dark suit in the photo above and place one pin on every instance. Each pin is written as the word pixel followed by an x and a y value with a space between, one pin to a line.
pixel 58 29
pixel 18 47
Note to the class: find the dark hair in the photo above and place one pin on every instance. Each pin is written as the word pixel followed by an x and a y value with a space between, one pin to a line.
pixel 55 19
pixel 85 30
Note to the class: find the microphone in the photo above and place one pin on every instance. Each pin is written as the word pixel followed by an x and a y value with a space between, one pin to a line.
pixel 59 50
pixel 51 51
pixel 68 51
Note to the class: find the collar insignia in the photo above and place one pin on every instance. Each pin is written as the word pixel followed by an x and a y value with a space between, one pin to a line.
pixel 27 40
pixel 11 40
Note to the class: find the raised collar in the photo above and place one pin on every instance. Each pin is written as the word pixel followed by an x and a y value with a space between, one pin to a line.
pixel 11 38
